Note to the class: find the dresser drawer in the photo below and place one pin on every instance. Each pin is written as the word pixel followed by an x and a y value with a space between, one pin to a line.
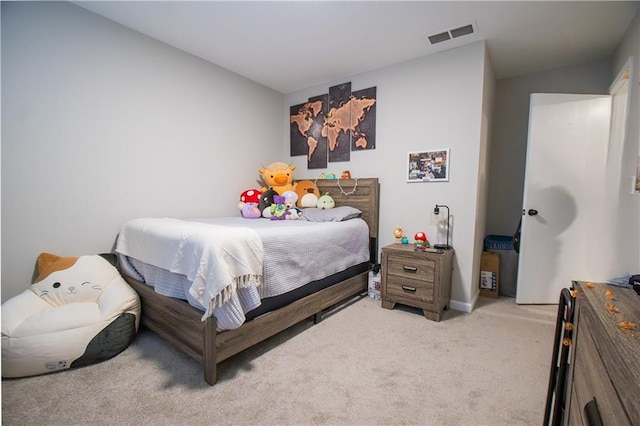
pixel 411 268
pixel 418 290
pixel 591 380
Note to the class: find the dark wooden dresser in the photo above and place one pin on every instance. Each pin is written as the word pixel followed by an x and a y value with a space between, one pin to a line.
pixel 604 364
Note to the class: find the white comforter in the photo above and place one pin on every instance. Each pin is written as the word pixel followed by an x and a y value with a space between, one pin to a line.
pixel 295 252
pixel 216 259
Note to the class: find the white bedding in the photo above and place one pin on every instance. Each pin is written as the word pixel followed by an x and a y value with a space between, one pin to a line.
pixel 295 253
pixel 216 259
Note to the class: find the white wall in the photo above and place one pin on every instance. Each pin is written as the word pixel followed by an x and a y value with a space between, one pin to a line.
pixel 101 124
pixel 486 136
pixel 510 132
pixel 429 103
pixel 628 213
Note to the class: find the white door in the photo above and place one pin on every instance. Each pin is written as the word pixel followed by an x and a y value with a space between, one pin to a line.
pixel 563 211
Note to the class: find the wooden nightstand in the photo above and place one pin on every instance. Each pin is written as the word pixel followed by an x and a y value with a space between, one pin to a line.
pixel 416 278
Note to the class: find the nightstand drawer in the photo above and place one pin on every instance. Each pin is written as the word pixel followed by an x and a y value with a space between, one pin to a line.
pixel 412 268
pixel 415 289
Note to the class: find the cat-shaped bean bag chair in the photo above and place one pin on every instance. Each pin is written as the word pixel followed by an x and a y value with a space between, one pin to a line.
pixel 78 311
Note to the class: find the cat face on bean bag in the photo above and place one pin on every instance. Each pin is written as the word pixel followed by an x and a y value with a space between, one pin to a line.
pixel 63 280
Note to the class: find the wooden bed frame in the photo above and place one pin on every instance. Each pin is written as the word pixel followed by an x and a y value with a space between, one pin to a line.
pixel 180 324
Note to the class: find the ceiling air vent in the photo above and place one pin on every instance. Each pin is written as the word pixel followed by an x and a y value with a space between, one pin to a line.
pixel 451 34
pixel 462 31
pixel 439 38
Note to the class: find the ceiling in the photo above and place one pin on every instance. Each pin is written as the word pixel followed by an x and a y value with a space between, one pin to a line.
pixel 292 45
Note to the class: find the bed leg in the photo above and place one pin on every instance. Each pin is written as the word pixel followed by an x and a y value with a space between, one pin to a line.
pixel 209 352
pixel 317 317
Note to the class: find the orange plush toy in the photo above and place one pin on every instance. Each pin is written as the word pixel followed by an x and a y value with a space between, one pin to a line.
pixel 308 193
pixel 278 176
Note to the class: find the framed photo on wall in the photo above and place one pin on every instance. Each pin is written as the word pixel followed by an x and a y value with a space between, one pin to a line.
pixel 428 166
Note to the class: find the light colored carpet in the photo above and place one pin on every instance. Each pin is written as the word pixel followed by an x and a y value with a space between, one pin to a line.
pixel 362 365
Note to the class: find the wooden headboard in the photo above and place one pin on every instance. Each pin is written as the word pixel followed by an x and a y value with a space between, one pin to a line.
pixel 363 194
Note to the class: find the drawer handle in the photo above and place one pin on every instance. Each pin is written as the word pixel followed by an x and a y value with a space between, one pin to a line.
pixel 592 414
pixel 408 288
pixel 409 268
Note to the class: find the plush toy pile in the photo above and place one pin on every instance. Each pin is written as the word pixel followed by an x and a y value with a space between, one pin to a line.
pixel 281 197
pixel 79 311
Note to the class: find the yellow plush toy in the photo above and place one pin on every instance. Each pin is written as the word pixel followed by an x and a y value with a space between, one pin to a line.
pixel 278 176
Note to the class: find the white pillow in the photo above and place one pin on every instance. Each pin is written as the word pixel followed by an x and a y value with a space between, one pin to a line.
pixel 336 214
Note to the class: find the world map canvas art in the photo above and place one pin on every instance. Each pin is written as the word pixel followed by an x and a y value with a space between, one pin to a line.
pixel 328 127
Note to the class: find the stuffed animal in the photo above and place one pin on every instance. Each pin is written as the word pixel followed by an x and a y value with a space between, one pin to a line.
pixel 346 175
pixel 79 311
pixel 326 202
pixel 278 176
pixel 249 202
pixel 278 209
pixel 290 199
pixel 421 240
pixel 308 193
pixel 266 200
pixel 398 233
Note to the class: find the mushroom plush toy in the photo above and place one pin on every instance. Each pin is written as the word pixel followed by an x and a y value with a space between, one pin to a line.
pixel 248 205
pixel 421 239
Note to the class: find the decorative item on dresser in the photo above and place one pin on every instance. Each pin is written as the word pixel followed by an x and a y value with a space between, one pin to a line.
pixel 421 279
pixel 603 385
pixel 436 212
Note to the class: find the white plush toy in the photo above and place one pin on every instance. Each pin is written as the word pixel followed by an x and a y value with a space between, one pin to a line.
pixel 290 200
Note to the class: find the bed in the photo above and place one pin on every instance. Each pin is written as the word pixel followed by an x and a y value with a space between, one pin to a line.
pixel 193 331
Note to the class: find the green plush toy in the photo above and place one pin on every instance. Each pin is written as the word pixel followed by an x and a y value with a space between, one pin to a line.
pixel 326 202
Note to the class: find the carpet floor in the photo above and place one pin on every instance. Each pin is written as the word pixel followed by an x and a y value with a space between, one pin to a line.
pixel 362 365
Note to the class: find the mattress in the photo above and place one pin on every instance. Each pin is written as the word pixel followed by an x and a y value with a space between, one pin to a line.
pixel 296 253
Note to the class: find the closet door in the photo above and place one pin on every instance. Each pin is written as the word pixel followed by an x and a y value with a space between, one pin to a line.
pixel 563 209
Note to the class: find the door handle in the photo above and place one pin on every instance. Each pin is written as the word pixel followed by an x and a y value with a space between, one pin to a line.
pixel 532 212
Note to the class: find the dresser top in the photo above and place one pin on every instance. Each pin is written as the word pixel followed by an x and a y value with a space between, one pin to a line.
pixel 410 248
pixel 618 312
pixel 613 304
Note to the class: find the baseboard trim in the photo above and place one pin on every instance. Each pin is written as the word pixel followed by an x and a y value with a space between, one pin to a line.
pixel 464 306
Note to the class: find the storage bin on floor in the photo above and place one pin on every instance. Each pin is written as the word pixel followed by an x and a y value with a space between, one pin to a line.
pixel 503 245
